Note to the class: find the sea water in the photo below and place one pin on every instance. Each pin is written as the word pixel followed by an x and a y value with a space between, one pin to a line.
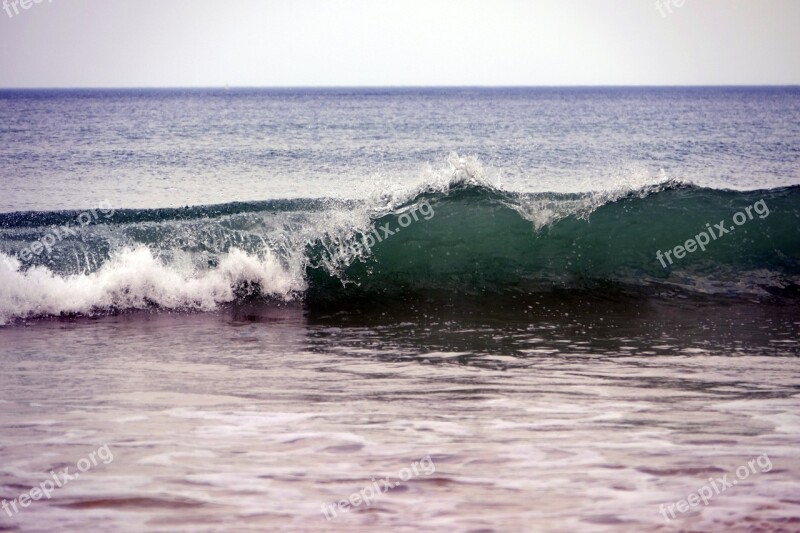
pixel 547 309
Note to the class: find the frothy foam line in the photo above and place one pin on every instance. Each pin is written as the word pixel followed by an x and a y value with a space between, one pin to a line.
pixel 135 279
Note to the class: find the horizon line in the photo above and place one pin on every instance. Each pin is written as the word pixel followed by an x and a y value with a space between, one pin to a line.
pixel 306 87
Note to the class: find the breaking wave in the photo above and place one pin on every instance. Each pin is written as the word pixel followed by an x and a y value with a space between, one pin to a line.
pixel 457 234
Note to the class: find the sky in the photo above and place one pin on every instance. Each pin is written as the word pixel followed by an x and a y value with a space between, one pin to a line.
pixel 291 43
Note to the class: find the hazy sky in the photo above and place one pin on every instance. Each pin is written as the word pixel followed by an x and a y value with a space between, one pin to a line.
pixel 161 43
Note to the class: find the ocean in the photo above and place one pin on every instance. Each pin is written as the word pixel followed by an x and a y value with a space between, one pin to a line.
pixel 450 309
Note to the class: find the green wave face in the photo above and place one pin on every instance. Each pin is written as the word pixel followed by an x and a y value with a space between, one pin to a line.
pixel 480 241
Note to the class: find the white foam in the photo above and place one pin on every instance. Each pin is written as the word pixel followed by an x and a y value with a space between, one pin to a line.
pixel 544 210
pixel 541 209
pixel 388 194
pixel 135 279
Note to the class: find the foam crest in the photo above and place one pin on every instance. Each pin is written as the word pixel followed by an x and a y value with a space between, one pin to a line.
pixel 544 209
pixel 541 209
pixel 135 279
pixel 388 195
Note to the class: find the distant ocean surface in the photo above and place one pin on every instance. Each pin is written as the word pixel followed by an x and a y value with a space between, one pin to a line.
pixel 580 303
pixel 171 148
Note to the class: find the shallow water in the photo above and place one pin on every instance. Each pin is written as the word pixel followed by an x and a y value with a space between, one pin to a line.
pixel 253 417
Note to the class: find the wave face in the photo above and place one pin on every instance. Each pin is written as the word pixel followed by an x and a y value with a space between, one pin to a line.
pixel 486 241
pixel 465 237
